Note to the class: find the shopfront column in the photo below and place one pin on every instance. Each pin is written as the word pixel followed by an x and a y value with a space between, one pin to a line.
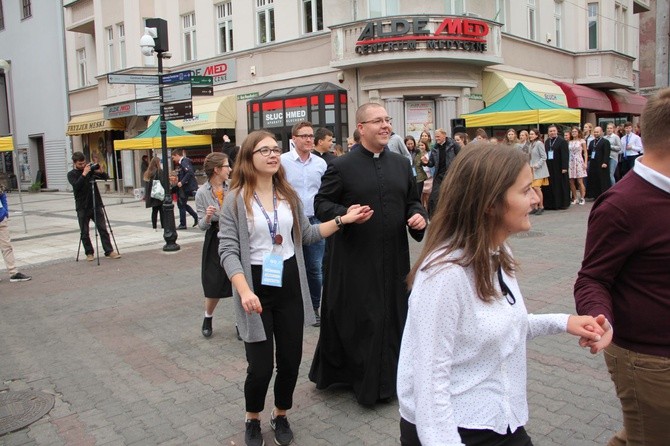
pixel 465 100
pixel 445 109
pixel 395 107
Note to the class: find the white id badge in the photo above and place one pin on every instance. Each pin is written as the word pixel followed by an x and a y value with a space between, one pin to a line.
pixel 593 155
pixel 550 155
pixel 273 266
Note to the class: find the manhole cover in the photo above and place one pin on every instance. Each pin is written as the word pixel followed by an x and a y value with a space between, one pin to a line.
pixel 19 409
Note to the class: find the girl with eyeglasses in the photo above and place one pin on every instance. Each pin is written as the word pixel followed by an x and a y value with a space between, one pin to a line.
pixel 462 368
pixel 262 230
pixel 208 202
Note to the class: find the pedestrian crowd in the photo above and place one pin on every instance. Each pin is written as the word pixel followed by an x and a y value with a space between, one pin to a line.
pixel 310 237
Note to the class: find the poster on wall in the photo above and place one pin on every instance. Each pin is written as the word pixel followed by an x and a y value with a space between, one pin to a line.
pixel 420 117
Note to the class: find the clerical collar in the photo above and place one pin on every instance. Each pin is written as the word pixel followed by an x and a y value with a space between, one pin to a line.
pixel 370 153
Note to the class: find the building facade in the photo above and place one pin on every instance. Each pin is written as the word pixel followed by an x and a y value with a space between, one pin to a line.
pixel 275 62
pixel 655 48
pixel 31 38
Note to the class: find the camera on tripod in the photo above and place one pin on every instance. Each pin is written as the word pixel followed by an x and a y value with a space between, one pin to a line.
pixel 94 166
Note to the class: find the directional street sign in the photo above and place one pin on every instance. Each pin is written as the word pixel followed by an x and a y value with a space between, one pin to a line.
pixel 146 91
pixel 173 78
pixel 147 79
pixel 148 108
pixel 198 90
pixel 178 110
pixel 176 92
pixel 202 80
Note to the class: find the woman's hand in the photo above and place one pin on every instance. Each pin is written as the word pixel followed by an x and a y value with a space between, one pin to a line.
pixel 251 303
pixel 357 214
pixel 211 210
pixel 605 338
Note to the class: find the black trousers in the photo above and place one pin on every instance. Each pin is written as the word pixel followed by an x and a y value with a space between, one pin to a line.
pixel 627 164
pixel 469 437
pixel 155 212
pixel 84 216
pixel 283 320
pixel 184 207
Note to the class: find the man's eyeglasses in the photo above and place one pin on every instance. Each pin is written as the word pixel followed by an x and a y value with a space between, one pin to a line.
pixel 305 136
pixel 378 121
pixel 266 151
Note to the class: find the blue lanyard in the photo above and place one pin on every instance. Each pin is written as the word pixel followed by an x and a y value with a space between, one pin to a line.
pixel 276 238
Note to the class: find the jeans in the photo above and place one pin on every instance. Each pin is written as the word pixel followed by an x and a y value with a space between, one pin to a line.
pixel 612 165
pixel 84 216
pixel 314 265
pixel 642 384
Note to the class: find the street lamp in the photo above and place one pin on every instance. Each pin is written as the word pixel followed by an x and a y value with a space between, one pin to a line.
pixel 155 40
pixel 5 67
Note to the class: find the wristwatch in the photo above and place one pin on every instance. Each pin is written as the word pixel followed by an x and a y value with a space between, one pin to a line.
pixel 339 222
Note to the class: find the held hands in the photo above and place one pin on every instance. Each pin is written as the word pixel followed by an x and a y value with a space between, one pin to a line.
pixel 251 303
pixel 605 338
pixel 357 214
pixel 417 222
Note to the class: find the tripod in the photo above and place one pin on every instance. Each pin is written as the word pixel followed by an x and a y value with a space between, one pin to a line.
pixel 95 223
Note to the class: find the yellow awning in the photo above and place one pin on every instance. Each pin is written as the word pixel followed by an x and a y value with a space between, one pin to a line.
pixel 216 112
pixel 6 144
pixel 525 117
pixel 497 84
pixel 93 122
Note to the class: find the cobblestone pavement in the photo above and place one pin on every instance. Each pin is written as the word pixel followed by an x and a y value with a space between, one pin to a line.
pixel 119 345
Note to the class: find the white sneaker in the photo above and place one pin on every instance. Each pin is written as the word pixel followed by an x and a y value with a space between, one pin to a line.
pixel 581 202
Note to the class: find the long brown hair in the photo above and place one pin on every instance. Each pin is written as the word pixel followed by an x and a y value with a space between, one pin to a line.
pixel 154 166
pixel 212 161
pixel 470 211
pixel 245 176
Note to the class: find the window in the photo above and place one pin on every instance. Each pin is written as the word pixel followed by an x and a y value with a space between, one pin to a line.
pixel 188 32
pixel 224 13
pixel 382 8
pixel 2 17
pixel 455 7
pixel 265 20
pixel 558 23
pixel 313 15
pixel 81 68
pixel 620 26
pixel 109 46
pixel 592 9
pixel 501 13
pixel 532 20
pixel 121 33
pixel 26 10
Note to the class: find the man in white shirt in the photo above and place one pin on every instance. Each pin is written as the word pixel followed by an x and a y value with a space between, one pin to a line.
pixel 632 148
pixel 304 171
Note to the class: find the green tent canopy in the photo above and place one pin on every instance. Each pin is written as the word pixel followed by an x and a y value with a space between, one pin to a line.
pixel 151 139
pixel 521 107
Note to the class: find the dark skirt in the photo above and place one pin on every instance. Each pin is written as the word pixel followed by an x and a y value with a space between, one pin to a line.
pixel 215 283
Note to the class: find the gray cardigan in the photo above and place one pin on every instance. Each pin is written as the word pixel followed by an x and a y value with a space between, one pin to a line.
pixel 538 160
pixel 235 254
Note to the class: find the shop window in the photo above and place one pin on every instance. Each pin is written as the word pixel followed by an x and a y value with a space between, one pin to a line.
pixel 455 7
pixel 532 19
pixel 383 8
pixel 26 9
pixel 224 20
pixel 109 47
pixel 265 21
pixel 121 33
pixel 592 9
pixel 81 68
pixel 313 15
pixel 188 33
pixel 558 23
pixel 620 26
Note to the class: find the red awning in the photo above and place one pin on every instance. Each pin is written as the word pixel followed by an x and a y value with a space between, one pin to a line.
pixel 625 102
pixel 580 96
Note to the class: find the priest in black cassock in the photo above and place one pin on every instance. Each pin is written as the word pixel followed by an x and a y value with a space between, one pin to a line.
pixel 364 303
pixel 598 180
pixel 557 194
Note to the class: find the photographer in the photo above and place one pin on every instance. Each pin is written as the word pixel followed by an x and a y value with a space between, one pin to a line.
pixel 81 178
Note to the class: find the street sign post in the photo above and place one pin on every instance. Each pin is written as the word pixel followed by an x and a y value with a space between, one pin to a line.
pixel 176 92
pixel 202 86
pixel 146 91
pixel 173 78
pixel 148 108
pixel 119 110
pixel 178 110
pixel 147 79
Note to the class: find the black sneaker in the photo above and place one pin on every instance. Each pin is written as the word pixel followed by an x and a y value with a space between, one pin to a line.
pixel 19 277
pixel 252 434
pixel 207 327
pixel 283 432
pixel 318 319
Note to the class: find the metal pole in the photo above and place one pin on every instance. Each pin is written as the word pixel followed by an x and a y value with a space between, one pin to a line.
pixel 169 230
pixel 12 124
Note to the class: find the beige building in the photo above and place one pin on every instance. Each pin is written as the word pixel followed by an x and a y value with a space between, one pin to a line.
pixel 275 62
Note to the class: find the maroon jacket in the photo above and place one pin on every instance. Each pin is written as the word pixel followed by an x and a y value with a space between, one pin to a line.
pixel 625 274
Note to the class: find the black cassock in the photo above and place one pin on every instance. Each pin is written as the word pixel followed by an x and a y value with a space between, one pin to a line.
pixel 598 180
pixel 364 303
pixel 557 194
